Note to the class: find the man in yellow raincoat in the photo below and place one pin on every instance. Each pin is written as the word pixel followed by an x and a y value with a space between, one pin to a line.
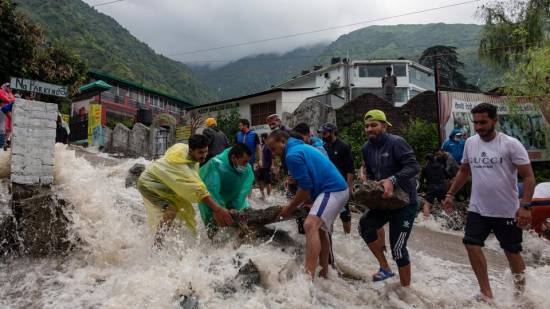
pixel 229 178
pixel 170 184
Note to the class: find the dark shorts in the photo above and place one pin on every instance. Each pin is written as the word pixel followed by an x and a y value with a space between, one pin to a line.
pixel 263 175
pixel 436 192
pixel 401 222
pixel 506 231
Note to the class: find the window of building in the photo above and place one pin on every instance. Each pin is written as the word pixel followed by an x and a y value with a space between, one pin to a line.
pixel 421 79
pixel 400 69
pixel 259 112
pixel 372 70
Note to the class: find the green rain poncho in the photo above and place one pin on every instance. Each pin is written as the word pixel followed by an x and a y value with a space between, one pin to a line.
pixel 172 180
pixel 226 185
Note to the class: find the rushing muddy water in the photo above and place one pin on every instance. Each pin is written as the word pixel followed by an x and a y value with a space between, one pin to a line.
pixel 115 266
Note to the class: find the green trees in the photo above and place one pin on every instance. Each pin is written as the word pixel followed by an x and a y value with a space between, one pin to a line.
pixel 228 123
pixel 511 28
pixel 422 136
pixel 446 57
pixel 24 53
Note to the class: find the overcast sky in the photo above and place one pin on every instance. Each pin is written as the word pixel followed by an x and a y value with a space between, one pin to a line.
pixel 177 26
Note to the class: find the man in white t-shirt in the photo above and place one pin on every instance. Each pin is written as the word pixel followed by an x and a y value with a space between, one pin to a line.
pixel 494 160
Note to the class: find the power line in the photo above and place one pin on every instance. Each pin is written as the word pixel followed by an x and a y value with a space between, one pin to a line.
pixel 106 3
pixel 320 30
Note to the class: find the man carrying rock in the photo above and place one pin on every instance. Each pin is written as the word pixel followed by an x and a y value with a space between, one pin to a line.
pixel 388 158
pixel 229 178
pixel 494 160
pixel 318 180
pixel 170 184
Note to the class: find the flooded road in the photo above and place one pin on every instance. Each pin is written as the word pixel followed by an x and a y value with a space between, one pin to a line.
pixel 115 266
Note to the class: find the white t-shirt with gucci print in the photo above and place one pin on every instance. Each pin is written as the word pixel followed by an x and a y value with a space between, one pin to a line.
pixel 494 174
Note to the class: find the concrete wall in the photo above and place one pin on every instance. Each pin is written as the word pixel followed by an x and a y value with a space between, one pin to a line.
pixel 33 142
pixel 139 141
pixel 121 138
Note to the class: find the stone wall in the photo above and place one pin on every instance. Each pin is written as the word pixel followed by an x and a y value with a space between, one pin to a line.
pixel 121 138
pixel 422 106
pixel 33 141
pixel 139 141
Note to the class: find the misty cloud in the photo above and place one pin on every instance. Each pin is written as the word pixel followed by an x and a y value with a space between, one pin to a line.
pixel 175 26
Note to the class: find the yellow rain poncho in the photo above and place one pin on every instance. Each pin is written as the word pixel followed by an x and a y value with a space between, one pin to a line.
pixel 172 180
pixel 227 186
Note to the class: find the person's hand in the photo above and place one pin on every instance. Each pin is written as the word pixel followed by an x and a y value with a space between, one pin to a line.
pixel 285 212
pixel 351 191
pixel 388 188
pixel 448 204
pixel 523 217
pixel 260 164
pixel 222 217
pixel 362 177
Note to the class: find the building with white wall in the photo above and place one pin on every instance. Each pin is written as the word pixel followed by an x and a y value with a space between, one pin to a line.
pixel 365 76
pixel 256 107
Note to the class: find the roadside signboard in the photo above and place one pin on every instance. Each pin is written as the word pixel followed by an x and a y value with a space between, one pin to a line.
pixel 38 87
pixel 526 122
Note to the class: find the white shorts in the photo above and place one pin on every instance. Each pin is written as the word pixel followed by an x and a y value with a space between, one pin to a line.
pixel 328 205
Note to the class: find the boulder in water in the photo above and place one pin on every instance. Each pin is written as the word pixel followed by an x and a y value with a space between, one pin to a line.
pixel 133 174
pixel 259 217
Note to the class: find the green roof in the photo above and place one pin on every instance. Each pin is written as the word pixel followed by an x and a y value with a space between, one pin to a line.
pixel 104 75
pixel 98 84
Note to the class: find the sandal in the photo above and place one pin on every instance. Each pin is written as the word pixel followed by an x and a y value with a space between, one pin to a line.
pixel 382 275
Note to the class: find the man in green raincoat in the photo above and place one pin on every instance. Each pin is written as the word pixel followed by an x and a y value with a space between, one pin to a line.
pixel 171 184
pixel 229 178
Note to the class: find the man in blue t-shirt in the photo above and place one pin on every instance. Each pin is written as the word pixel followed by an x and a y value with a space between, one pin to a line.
pixel 318 180
pixel 250 138
pixel 455 145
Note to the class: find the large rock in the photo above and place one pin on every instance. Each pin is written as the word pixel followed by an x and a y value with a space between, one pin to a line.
pixel 133 174
pixel 370 196
pixel 107 139
pixel 139 141
pixel 41 225
pixel 121 138
pixel 259 217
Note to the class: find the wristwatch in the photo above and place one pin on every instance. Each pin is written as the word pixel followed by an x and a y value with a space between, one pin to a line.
pixel 393 180
pixel 526 206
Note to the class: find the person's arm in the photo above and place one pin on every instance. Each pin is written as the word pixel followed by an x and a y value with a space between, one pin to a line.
pixel 350 169
pixel 300 198
pixel 460 180
pixel 221 215
pixel 407 159
pixel 520 158
pixel 258 150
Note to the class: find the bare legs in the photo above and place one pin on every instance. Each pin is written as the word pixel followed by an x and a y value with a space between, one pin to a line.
pixel 317 246
pixel 479 265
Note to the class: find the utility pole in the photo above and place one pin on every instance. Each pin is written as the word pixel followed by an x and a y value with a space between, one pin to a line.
pixel 437 85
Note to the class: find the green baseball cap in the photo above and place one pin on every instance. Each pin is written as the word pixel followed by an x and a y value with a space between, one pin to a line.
pixel 376 114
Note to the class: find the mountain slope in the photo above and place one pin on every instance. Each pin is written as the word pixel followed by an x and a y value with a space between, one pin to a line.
pixel 256 73
pixel 109 47
pixel 252 74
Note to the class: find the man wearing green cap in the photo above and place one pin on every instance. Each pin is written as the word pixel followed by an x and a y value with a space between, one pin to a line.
pixel 388 158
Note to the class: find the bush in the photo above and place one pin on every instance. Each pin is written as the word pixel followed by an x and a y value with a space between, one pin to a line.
pixel 228 123
pixel 422 136
pixel 354 136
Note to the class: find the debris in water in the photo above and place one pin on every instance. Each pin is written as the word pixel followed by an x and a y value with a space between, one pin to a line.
pixel 133 174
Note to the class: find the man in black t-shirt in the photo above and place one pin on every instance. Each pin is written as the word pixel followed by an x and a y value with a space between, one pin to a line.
pixel 339 154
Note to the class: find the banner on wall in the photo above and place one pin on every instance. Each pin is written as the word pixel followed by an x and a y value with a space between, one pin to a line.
pixel 95 129
pixel 183 133
pixel 526 122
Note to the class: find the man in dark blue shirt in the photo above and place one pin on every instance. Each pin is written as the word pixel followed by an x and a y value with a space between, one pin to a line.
pixel 388 158
pixel 339 154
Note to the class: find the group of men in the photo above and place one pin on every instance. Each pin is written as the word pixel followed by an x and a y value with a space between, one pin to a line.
pixel 323 183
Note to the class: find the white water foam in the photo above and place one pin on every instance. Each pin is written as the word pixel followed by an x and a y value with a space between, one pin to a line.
pixel 115 266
